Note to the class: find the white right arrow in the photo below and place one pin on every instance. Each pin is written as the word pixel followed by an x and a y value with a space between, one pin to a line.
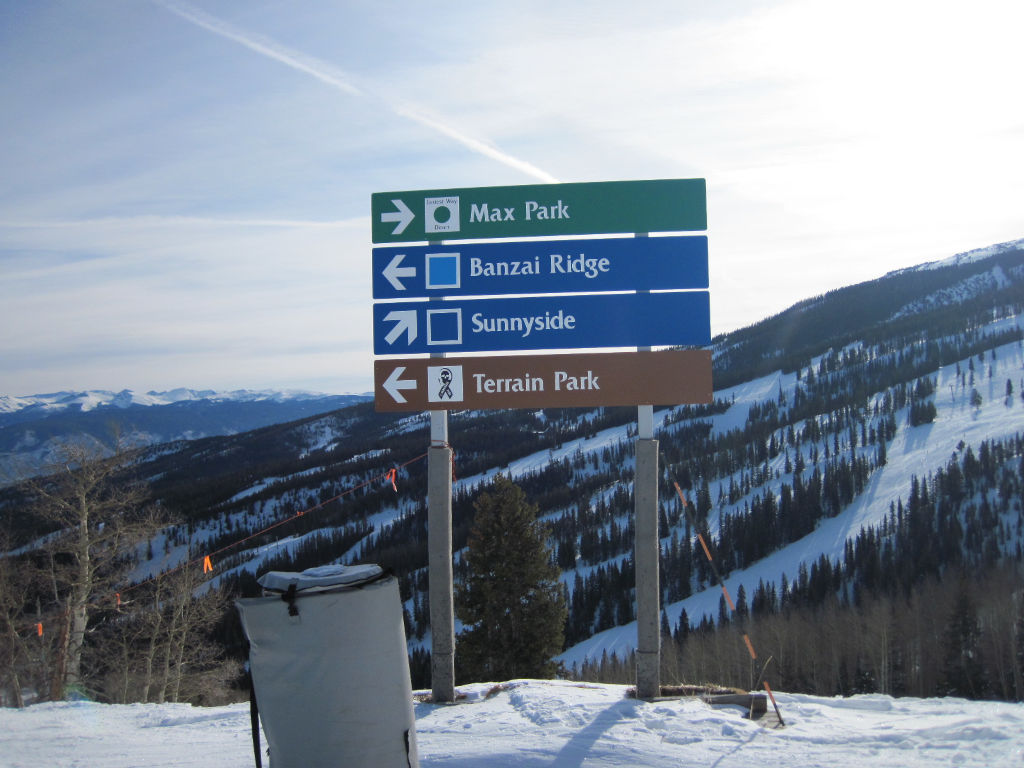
pixel 405 322
pixel 394 384
pixel 403 216
pixel 393 272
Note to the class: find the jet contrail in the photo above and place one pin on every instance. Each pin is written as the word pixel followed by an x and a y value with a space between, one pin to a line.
pixel 477 145
pixel 330 75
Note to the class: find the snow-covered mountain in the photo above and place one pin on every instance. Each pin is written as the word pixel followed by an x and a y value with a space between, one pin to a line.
pixel 960 422
pixel 969 257
pixel 33 427
pixel 56 402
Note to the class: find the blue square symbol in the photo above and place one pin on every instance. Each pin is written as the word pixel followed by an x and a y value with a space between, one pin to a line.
pixel 443 270
pixel 444 326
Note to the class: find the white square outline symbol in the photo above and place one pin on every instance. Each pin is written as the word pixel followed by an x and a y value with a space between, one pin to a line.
pixel 431 341
pixel 431 285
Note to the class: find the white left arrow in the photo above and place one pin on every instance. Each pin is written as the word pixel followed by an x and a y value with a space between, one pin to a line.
pixel 394 272
pixel 402 216
pixel 405 322
pixel 394 384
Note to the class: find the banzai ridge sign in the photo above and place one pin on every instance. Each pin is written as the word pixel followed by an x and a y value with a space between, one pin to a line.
pixel 541 266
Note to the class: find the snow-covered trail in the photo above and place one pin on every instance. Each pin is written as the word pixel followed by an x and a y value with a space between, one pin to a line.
pixel 553 724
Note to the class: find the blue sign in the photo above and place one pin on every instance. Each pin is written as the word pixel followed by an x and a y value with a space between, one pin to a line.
pixel 543 322
pixel 541 266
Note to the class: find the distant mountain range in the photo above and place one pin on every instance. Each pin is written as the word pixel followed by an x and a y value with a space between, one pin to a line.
pixel 33 427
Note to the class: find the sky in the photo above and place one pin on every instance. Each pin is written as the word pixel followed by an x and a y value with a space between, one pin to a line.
pixel 185 186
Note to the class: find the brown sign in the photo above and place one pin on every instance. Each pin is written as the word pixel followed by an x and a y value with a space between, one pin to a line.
pixel 668 377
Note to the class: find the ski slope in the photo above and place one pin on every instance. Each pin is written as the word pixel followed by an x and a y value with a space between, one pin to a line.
pixel 913 451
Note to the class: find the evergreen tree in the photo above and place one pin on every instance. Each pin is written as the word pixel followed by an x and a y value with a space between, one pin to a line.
pixel 703 501
pixel 1019 659
pixel 742 611
pixel 963 672
pixel 682 628
pixel 511 601
pixel 723 612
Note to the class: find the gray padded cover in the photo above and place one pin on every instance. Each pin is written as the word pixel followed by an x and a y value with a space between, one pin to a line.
pixel 332 683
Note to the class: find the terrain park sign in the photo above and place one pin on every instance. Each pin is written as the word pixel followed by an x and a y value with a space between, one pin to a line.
pixel 579 380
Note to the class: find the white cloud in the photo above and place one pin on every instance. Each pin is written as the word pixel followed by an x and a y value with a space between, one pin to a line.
pixel 204 300
pixel 333 77
pixel 198 190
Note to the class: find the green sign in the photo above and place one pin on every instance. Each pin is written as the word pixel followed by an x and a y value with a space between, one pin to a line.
pixel 540 210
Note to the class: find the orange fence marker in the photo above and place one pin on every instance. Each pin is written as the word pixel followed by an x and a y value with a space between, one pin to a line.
pixel 705 547
pixel 392 475
pixel 774 703
pixel 39 629
pixel 750 646
pixel 207 565
pixel 728 597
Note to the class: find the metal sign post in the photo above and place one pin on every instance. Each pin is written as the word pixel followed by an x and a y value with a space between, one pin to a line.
pixel 647 550
pixel 439 560
pixel 440 571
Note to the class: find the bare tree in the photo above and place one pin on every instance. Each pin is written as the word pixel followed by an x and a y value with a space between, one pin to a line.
pixel 157 647
pixel 98 518
pixel 119 635
pixel 13 626
pixel 179 657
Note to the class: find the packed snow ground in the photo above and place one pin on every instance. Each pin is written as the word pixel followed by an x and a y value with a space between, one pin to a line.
pixel 555 724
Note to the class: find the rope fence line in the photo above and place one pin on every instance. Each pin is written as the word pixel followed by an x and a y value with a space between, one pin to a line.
pixel 207 560
pixel 728 598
